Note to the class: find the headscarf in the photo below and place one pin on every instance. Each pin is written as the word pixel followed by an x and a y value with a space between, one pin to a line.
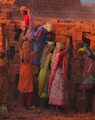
pixel 25 52
pixel 23 8
pixel 31 19
pixel 59 46
pixel 49 27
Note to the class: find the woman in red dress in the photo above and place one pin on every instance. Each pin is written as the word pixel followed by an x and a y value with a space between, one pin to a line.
pixel 29 26
pixel 58 95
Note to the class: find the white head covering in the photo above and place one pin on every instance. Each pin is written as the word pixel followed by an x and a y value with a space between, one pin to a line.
pixel 50 42
pixel 60 45
pixel 49 27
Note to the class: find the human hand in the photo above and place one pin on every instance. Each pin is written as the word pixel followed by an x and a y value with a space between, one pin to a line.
pixel 31 39
pixel 22 37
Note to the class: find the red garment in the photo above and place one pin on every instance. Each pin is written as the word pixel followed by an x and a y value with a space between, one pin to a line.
pixel 26 20
pixel 29 22
pixel 40 33
pixel 58 93
pixel 55 66
pixel 26 99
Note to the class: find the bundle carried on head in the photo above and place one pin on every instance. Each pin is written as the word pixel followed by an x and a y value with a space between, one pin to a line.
pixel 49 27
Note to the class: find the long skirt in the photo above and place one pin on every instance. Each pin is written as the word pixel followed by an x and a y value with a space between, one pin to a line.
pixel 26 99
pixel 56 96
pixel 3 89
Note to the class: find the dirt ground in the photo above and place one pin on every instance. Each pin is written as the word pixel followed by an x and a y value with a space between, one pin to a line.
pixel 18 113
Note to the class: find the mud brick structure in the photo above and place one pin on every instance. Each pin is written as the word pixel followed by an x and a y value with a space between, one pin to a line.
pixel 8 1
pixel 71 32
pixel 67 30
pixel 56 5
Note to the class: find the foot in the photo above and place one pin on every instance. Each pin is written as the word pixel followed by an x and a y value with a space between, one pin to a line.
pixel 3 111
pixel 33 107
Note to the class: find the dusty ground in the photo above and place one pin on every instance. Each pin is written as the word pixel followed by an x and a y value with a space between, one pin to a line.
pixel 18 113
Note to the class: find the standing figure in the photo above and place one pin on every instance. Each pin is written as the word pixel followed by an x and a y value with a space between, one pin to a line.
pixel 41 36
pixel 58 82
pixel 3 84
pixel 25 84
pixel 43 77
pixel 29 26
pixel 88 78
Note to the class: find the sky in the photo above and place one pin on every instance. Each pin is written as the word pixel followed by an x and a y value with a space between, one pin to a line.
pixel 90 1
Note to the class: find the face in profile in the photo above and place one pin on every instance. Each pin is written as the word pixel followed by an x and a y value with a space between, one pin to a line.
pixel 23 12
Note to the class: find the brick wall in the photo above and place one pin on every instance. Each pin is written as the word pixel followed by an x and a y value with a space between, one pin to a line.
pixel 8 1
pixel 65 30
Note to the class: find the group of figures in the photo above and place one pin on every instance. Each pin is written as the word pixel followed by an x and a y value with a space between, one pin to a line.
pixel 49 59
pixel 45 60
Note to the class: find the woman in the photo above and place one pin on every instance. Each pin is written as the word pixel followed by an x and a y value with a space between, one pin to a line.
pixel 41 36
pixel 43 77
pixel 29 26
pixel 25 84
pixel 89 68
pixel 58 81
pixel 3 84
pixel 88 77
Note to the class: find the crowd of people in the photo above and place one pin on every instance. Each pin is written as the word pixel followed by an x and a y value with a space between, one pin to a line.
pixel 45 59
pixel 43 62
